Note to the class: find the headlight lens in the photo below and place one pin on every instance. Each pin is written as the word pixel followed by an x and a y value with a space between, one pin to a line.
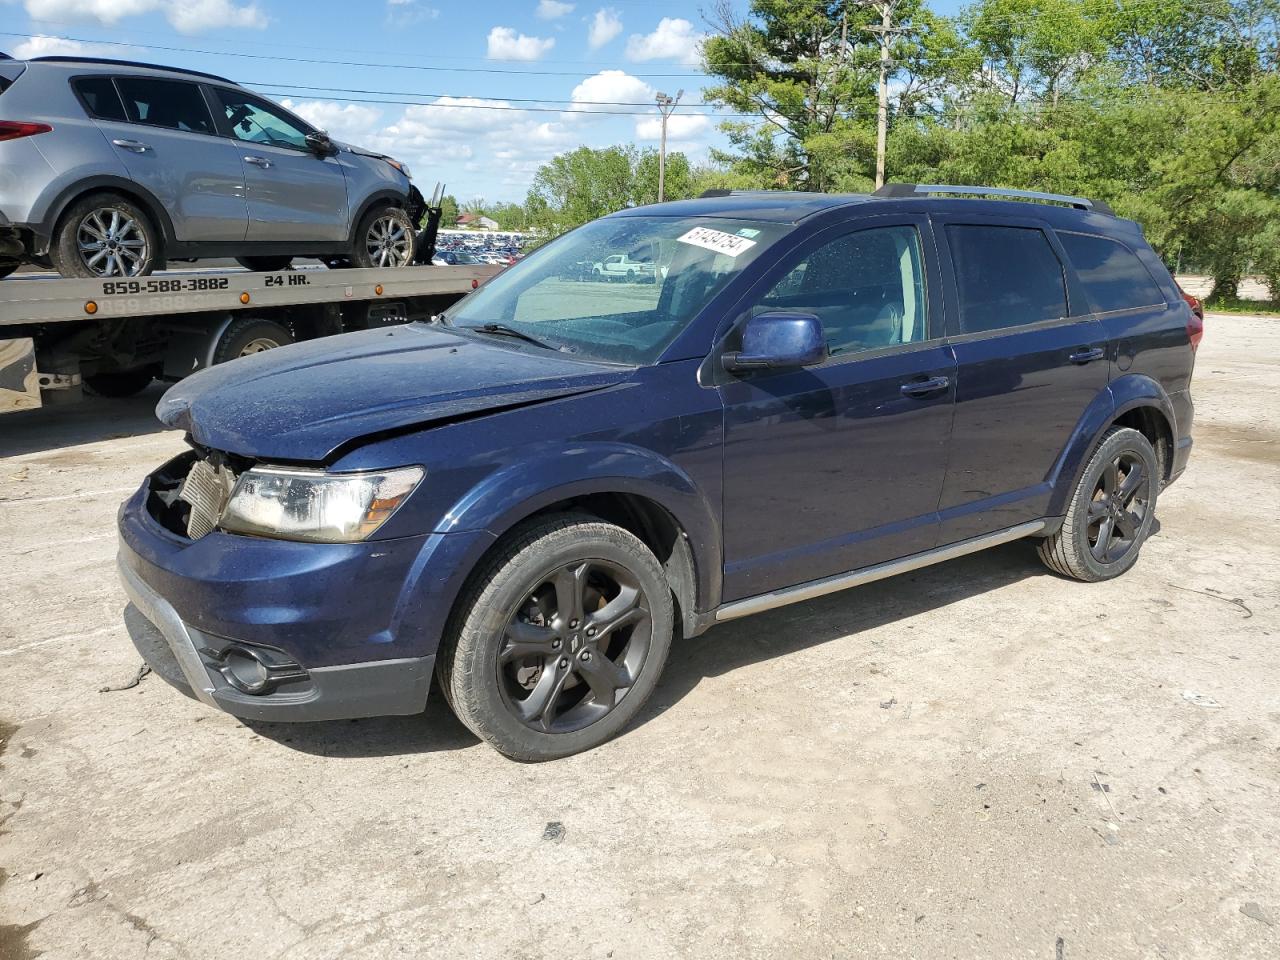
pixel 313 505
pixel 402 167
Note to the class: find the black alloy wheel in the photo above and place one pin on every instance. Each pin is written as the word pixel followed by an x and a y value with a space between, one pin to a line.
pixel 573 648
pixel 1111 513
pixel 1118 507
pixel 559 639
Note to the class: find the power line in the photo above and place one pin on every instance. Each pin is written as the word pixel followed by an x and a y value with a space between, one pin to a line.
pixel 469 96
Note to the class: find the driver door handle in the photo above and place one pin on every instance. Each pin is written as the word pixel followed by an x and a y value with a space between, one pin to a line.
pixel 134 146
pixel 922 388
pixel 262 162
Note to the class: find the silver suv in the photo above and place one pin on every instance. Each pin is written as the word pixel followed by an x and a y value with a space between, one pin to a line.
pixel 110 168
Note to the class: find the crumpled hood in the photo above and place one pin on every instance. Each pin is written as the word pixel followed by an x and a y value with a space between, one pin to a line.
pixel 302 402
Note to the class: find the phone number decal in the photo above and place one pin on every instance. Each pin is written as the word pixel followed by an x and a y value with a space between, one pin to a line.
pixel 126 288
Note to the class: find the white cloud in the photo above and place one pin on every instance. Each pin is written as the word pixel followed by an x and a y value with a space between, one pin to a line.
pixel 681 126
pixel 605 25
pixel 402 13
pixel 674 39
pixel 186 16
pixel 506 44
pixel 553 9
pixel 42 46
pixel 609 87
pixel 352 123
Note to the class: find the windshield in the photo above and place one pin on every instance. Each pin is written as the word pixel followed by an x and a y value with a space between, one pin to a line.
pixel 618 289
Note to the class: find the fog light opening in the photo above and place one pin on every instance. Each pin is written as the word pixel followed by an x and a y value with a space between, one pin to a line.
pixel 246 672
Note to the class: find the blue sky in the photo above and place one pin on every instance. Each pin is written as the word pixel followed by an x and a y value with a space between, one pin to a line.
pixel 567 54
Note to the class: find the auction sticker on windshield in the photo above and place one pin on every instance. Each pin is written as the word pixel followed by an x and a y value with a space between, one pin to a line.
pixel 718 241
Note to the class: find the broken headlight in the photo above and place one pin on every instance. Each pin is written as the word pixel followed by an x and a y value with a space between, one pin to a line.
pixel 297 504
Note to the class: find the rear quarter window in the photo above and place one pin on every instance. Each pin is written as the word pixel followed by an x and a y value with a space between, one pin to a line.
pixel 1112 274
pixel 99 97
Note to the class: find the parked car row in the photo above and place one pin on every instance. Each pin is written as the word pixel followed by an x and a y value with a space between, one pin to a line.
pixel 110 168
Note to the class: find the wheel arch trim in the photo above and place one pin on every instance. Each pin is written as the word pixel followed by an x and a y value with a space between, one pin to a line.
pixel 512 495
pixel 131 191
pixel 1122 396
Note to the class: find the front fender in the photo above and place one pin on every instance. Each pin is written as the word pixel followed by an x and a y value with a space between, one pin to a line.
pixel 506 497
pixel 1122 395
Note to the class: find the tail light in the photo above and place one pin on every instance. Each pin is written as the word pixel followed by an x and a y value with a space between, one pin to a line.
pixel 1195 322
pixel 17 129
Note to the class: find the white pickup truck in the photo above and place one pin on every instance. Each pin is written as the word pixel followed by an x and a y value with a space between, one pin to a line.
pixel 622 267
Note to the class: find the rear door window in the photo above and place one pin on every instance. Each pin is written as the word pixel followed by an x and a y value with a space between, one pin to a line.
pixel 1112 274
pixel 1005 276
pixel 174 104
pixel 100 98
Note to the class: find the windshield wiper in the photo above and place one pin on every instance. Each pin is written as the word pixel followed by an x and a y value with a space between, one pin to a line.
pixel 502 330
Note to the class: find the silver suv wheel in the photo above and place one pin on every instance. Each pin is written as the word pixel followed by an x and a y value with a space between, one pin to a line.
pixel 389 241
pixel 112 243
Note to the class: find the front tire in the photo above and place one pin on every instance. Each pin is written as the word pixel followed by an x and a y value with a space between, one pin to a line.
pixel 104 235
pixel 7 267
pixel 560 640
pixel 1111 512
pixel 385 238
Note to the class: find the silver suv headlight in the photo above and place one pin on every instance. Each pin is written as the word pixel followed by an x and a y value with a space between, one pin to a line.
pixel 297 504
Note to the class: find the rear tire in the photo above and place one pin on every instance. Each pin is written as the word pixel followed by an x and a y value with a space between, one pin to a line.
pixel 560 640
pixel 119 383
pixel 249 335
pixel 386 237
pixel 104 235
pixel 1111 512
pixel 265 264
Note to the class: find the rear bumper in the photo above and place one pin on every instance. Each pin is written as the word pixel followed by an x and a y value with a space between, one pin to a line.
pixel 189 660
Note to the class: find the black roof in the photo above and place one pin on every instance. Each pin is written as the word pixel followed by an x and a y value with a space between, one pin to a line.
pixel 130 63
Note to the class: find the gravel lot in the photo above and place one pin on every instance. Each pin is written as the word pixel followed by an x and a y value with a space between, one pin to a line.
pixel 976 760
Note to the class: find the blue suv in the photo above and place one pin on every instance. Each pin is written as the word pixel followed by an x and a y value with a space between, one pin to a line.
pixel 529 495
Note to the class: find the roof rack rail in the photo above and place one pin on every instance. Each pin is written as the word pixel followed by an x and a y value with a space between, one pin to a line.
pixel 918 189
pixel 130 63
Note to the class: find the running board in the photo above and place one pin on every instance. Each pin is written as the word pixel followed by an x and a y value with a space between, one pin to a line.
pixel 843 581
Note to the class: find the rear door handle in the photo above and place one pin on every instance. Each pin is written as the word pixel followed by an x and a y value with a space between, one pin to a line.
pixel 262 162
pixel 922 388
pixel 134 146
pixel 1088 355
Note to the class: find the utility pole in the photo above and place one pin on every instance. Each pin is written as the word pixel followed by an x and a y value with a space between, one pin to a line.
pixel 886 32
pixel 666 106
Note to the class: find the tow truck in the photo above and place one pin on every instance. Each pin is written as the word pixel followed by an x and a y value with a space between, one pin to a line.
pixel 113 336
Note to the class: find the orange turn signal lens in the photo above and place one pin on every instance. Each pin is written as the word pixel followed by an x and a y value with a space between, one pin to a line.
pixel 378 289
pixel 244 297
pixel 91 308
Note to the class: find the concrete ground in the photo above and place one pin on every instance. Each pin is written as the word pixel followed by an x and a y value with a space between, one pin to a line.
pixel 976 760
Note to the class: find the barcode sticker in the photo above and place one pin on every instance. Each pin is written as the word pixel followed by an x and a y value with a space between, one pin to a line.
pixel 717 241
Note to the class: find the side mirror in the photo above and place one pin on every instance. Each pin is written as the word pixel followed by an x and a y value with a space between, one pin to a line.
pixel 320 144
pixel 772 341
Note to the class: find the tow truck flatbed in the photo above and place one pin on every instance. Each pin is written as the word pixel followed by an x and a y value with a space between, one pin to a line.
pixel 116 335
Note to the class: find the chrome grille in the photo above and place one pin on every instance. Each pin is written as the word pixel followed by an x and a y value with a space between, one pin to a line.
pixel 207 489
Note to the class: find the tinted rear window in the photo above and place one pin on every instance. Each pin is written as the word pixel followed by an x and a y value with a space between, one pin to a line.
pixel 165 103
pixel 1112 273
pixel 99 96
pixel 1006 276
